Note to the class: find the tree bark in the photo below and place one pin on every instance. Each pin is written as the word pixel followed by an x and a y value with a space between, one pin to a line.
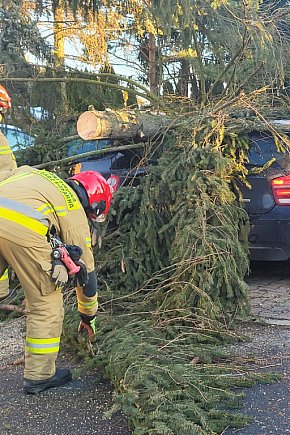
pixel 111 124
pixel 183 79
pixel 152 65
pixel 58 33
pixel 58 37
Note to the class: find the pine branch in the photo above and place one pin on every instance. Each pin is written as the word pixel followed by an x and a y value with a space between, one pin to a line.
pixel 11 308
pixel 73 159
pixel 146 94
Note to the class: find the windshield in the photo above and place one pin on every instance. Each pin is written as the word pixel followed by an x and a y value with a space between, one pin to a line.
pixel 80 146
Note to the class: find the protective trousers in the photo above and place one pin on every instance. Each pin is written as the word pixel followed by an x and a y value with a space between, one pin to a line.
pixel 44 305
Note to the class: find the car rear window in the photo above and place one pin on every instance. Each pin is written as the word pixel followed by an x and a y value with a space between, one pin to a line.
pixel 262 149
pixel 80 146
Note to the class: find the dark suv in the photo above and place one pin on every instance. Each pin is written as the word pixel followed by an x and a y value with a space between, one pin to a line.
pixel 267 202
pixel 124 164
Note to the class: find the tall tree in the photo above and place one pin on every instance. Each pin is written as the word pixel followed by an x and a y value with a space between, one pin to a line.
pixel 227 44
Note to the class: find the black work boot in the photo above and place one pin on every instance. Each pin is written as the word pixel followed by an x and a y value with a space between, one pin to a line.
pixel 61 377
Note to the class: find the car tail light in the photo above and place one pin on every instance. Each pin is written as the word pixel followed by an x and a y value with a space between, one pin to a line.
pixel 281 190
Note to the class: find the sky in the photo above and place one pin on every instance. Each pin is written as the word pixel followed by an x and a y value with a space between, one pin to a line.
pixel 121 59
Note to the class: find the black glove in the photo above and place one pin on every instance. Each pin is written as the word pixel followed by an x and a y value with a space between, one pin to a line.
pixel 59 273
pixel 82 276
pixel 75 252
pixel 88 325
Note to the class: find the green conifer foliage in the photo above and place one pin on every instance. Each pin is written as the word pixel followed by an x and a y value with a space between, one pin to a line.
pixel 171 276
pixel 171 380
pixel 178 234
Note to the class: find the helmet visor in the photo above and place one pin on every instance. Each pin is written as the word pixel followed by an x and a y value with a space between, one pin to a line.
pixel 96 211
pixel 100 218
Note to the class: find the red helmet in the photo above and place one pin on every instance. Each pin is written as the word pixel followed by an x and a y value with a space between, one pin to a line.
pixel 98 191
pixel 5 100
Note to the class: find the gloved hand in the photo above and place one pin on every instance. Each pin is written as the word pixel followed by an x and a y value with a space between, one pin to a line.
pixel 82 276
pixel 74 251
pixel 88 325
pixel 59 273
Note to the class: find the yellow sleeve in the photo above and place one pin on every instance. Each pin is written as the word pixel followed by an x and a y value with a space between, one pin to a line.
pixel 4 285
pixel 86 305
pixel 80 236
pixel 7 158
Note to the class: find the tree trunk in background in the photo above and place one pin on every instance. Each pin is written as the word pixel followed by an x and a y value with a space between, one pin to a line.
pixel 58 37
pixel 58 33
pixel 183 80
pixel 195 91
pixel 152 65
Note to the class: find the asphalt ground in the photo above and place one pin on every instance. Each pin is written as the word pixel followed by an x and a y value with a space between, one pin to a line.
pixel 269 347
pixel 76 408
pixel 266 404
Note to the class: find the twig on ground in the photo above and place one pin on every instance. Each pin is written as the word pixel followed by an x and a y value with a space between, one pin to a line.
pixel 15 308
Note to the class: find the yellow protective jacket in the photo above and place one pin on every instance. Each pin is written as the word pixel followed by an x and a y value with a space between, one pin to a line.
pixel 31 202
pixel 7 159
pixel 7 166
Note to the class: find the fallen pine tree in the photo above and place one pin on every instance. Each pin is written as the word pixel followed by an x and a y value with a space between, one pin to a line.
pixel 171 275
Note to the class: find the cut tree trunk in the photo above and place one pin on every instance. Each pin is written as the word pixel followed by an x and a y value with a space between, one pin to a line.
pixel 137 125
pixel 113 124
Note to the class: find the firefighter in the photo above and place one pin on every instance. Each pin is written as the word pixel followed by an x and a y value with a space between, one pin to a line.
pixel 7 165
pixel 35 207
pixel 7 158
pixel 4 285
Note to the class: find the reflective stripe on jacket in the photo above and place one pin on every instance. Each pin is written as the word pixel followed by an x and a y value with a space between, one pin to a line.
pixel 46 200
pixel 23 215
pixel 5 276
